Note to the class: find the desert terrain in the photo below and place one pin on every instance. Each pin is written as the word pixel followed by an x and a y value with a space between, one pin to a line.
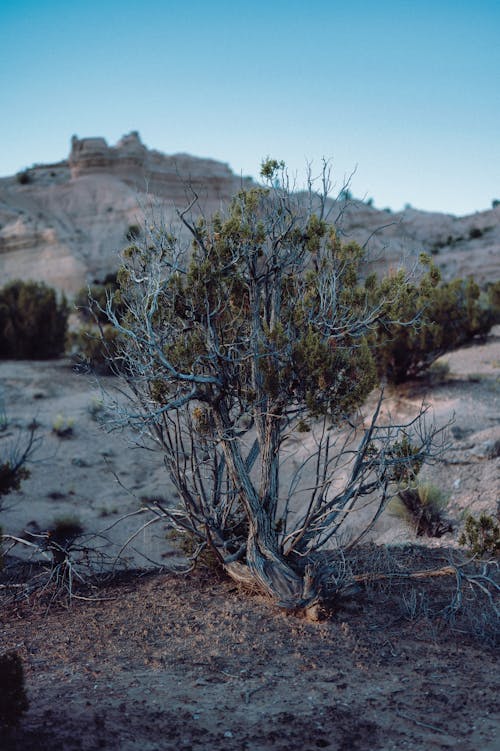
pixel 143 657
pixel 149 659
pixel 65 223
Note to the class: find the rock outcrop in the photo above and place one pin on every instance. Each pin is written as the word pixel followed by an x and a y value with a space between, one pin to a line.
pixel 65 223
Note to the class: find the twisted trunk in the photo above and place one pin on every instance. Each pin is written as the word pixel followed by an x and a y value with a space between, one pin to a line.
pixel 265 566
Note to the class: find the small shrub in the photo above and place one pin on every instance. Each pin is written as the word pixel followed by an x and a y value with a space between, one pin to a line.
pixel 495 203
pixel 13 699
pixel 423 506
pixel 32 321
pixel 443 316
pixel 475 233
pixel 438 373
pixel 133 232
pixel 91 302
pixel 96 409
pixel 63 426
pixel 96 348
pixel 201 554
pixel 24 177
pixel 492 301
pixel 481 536
pixel 10 477
pixel 60 537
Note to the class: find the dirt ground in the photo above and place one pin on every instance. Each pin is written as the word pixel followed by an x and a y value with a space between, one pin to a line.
pixel 155 661
pixel 163 662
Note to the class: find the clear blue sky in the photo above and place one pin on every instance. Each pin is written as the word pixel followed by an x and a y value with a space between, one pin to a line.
pixel 409 92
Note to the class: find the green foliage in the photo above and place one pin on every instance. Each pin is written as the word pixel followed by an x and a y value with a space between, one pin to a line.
pixel 63 426
pixel 32 321
pixel 232 348
pixel 481 536
pixel 133 232
pixel 438 372
pixel 96 348
pixel 91 302
pixel 424 320
pixel 327 368
pixel 406 460
pixel 491 302
pixel 13 699
pixel 423 504
pixel 270 168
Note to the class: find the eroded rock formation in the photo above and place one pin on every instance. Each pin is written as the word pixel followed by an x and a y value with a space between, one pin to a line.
pixel 65 223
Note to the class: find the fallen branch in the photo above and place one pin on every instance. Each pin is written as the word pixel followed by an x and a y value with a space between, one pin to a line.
pixel 424 574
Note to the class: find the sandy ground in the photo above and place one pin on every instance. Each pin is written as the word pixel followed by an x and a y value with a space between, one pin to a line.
pixel 97 477
pixel 166 662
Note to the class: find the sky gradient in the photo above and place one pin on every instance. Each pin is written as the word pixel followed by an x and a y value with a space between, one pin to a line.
pixel 405 93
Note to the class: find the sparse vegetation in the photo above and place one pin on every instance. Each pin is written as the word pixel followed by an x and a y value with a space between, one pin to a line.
pixel 24 177
pixel 62 534
pixel 91 302
pixel 481 536
pixel 63 426
pixel 95 348
pixel 438 373
pixel 261 329
pixel 444 316
pixel 133 232
pixel 423 506
pixel 13 459
pixel 32 321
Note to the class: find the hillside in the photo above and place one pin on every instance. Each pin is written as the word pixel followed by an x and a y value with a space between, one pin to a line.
pixel 65 223
pixel 139 657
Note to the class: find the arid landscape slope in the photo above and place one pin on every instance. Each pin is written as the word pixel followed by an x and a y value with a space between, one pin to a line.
pixel 152 660
pixel 65 223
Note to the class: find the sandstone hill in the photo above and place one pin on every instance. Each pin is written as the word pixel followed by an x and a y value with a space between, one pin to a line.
pixel 65 223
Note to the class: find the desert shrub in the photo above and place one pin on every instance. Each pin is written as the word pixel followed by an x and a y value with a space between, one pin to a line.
pixel 475 233
pixel 13 458
pixel 24 177
pixel 60 537
pixel 33 321
pixel 91 302
pixel 133 232
pixel 229 348
pixel 491 301
pixel 481 536
pixel 423 506
pixel 13 699
pixel 96 348
pixel 495 203
pixel 63 426
pixel 444 316
pixel 438 372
